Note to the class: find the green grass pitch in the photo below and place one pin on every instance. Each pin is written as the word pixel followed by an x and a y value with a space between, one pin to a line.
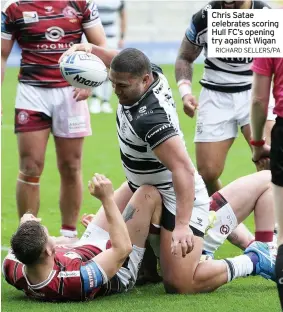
pixel 101 154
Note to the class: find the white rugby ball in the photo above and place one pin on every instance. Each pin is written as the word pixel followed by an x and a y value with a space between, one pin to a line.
pixel 83 70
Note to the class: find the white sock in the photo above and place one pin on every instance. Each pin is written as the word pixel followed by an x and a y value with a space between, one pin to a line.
pixel 68 233
pixel 225 223
pixel 154 239
pixel 240 266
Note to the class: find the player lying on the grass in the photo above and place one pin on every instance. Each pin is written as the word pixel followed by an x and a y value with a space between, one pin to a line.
pixel 235 202
pixel 147 118
pixel 92 267
pixel 239 199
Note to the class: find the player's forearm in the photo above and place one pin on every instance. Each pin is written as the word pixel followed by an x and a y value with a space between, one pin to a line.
pixel 106 55
pixel 184 186
pixel 118 231
pixel 258 118
pixel 183 69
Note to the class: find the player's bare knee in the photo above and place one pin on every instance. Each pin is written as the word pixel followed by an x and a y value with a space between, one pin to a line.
pixel 30 166
pixel 209 172
pixel 69 168
pixel 150 194
pixel 177 288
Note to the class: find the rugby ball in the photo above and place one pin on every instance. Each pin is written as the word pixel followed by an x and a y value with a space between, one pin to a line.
pixel 83 70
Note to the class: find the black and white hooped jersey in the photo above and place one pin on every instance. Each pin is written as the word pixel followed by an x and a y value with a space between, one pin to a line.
pixel 221 74
pixel 108 12
pixel 141 128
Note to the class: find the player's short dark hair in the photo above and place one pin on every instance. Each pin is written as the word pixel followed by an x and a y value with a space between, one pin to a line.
pixel 131 61
pixel 28 242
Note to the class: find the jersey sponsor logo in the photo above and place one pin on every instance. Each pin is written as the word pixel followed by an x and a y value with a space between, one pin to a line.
pixel 77 124
pixel 30 17
pixel 93 10
pixel 224 229
pixel 87 82
pixel 67 274
pixel 160 129
pixel 280 281
pixel 54 46
pixel 68 11
pixel 54 33
pixel 142 109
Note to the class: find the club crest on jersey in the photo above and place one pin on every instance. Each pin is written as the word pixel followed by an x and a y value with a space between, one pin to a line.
pixel 49 9
pixel 23 117
pixel 69 12
pixel 30 17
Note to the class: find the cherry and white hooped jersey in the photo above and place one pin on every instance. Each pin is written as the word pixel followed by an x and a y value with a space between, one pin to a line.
pixel 44 30
pixel 75 276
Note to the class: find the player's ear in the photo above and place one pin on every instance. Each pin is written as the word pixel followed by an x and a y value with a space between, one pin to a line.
pixel 146 79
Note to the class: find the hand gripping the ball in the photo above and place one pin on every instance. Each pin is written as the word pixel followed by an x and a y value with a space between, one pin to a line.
pixel 86 47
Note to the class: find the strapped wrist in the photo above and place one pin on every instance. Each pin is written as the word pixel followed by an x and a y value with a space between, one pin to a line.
pixel 184 87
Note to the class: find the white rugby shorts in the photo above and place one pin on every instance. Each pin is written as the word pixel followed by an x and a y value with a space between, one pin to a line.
pixel 220 114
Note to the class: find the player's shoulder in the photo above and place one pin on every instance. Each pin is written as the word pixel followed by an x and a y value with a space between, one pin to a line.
pixel 10 5
pixel 260 5
pixel 199 19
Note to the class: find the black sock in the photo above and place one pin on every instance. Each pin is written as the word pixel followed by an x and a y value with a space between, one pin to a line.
pixel 279 273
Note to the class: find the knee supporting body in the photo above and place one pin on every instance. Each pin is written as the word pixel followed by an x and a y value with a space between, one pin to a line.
pixel 27 179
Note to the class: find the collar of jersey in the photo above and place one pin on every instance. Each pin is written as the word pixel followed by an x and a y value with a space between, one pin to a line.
pixel 42 284
pixel 155 83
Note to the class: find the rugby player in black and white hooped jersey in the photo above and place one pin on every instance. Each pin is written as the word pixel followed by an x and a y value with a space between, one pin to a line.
pixel 224 102
pixel 153 152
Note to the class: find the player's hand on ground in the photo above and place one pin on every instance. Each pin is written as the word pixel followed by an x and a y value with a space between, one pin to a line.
pixel 29 217
pixel 86 47
pixel 100 187
pixel 190 105
pixel 260 152
pixel 182 238
pixel 81 94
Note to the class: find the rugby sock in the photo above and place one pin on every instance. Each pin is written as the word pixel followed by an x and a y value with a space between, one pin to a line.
pixel 264 236
pixel 68 231
pixel 154 239
pixel 225 223
pixel 239 266
pixel 279 273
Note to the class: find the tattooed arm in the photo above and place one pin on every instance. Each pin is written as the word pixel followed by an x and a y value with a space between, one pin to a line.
pixel 188 53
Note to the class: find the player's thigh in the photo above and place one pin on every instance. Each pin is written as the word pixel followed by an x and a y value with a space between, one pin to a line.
pixel 122 197
pixel 243 193
pixel 71 119
pixel 145 202
pixel 216 117
pixel 69 153
pixel 211 156
pixel 178 272
pixel 32 148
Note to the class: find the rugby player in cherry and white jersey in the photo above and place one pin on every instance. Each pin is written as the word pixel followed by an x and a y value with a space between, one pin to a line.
pixel 45 102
